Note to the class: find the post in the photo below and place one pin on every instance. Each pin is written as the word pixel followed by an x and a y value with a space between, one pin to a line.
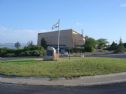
pixel 69 53
pixel 83 44
pixel 58 39
pixel 58 36
pixel 57 26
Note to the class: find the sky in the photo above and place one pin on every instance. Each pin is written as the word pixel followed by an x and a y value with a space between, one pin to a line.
pixel 21 20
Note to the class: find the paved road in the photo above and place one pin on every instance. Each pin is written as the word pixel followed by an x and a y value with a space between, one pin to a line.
pixel 27 89
pixel 109 55
pixel 93 55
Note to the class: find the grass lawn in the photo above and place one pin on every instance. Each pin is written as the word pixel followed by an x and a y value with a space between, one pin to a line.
pixel 75 67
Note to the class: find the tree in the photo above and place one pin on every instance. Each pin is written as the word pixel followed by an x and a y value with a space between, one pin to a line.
pixel 124 45
pixel 102 43
pixel 120 47
pixel 113 46
pixel 90 44
pixel 44 43
pixel 30 43
pixel 17 45
pixel 30 46
pixel 33 50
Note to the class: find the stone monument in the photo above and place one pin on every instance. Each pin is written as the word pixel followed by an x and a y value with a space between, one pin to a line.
pixel 51 54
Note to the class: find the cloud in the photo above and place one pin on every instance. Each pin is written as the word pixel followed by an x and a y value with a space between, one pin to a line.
pixel 2 28
pixel 123 5
pixel 8 35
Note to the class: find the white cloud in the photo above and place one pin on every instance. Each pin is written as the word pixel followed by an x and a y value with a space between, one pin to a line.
pixel 8 35
pixel 123 5
pixel 2 28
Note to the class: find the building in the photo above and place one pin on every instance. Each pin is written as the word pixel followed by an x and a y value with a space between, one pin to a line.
pixel 68 38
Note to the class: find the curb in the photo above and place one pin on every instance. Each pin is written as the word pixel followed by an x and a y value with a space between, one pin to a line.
pixel 81 81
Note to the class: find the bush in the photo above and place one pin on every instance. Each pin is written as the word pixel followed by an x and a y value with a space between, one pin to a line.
pixel 31 53
pixel 90 45
pixel 18 52
pixel 75 50
pixel 3 52
pixel 120 49
pixel 89 49
pixel 31 50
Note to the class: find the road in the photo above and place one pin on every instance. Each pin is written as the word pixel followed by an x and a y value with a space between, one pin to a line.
pixel 109 55
pixel 119 88
pixel 91 55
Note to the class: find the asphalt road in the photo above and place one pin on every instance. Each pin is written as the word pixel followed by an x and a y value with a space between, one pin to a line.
pixel 109 55
pixel 92 55
pixel 119 88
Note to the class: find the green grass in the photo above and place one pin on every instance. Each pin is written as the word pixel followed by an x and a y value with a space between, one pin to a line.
pixel 75 67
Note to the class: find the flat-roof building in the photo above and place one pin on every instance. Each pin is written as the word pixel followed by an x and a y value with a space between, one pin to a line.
pixel 68 38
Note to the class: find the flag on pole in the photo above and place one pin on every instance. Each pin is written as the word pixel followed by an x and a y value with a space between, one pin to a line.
pixel 56 25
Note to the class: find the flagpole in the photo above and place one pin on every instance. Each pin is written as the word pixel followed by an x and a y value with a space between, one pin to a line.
pixel 58 36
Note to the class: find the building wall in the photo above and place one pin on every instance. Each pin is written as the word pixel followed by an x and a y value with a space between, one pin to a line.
pixel 67 38
pixel 78 39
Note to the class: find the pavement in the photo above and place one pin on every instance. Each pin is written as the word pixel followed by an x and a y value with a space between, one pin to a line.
pixel 108 55
pixel 119 88
pixel 81 81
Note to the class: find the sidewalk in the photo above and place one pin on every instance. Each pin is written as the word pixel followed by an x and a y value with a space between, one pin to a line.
pixel 82 81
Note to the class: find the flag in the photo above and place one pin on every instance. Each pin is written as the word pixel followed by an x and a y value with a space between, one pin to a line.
pixel 56 25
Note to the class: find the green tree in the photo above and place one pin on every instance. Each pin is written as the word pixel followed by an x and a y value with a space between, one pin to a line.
pixel 30 46
pixel 17 45
pixel 102 43
pixel 113 46
pixel 90 44
pixel 124 45
pixel 30 43
pixel 33 50
pixel 120 47
pixel 44 43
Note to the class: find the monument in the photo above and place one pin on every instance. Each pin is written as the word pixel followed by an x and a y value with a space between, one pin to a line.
pixel 51 54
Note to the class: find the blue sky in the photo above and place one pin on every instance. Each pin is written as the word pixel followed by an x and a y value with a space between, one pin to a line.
pixel 21 20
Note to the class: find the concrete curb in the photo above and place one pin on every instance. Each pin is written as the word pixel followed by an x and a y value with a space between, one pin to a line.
pixel 82 81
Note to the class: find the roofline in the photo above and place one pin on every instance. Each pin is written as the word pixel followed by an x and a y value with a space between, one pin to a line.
pixel 57 31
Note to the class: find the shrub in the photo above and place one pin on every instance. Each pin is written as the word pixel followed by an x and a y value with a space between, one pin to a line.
pixel 120 47
pixel 3 52
pixel 90 45
pixel 31 50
